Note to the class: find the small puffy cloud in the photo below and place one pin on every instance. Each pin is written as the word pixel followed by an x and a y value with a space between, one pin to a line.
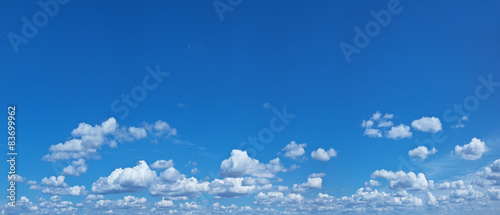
pixel 377 120
pixel 451 185
pixel 56 186
pixel 421 153
pixel 240 164
pixel 78 167
pixel 472 151
pixel 322 155
pixel 490 175
pixel 162 164
pixel 372 183
pixel 180 189
pixel 94 197
pixel 16 178
pixel 194 171
pixel 160 128
pixel 235 187
pixel 399 132
pixel 277 199
pixel 312 183
pixel 294 150
pixel 427 124
pixel 372 132
pixel 137 133
pixel 125 180
pixel 403 181
pixel 164 203
pixel 128 202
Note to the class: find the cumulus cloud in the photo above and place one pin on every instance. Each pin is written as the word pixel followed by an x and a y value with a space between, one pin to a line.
pixel 240 164
pixel 372 183
pixel 162 164
pixel 377 120
pixel 399 132
pixel 235 187
pixel 164 203
pixel 451 185
pixel 78 167
pixel 277 199
pixel 322 155
pixel 403 181
pixel 489 175
pixel 312 183
pixel 472 151
pixel 427 124
pixel 421 153
pixel 88 139
pixel 125 180
pixel 56 186
pixel 294 150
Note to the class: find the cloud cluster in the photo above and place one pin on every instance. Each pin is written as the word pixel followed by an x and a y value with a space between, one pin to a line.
pixel 421 153
pixel 403 181
pixel 472 151
pixel 88 139
pixel 294 150
pixel 378 123
pixel 240 164
pixel 322 155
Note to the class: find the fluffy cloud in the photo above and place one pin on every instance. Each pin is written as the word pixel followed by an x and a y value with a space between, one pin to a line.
pixel 277 199
pixel 322 155
pixel 421 153
pixel 427 124
pixel 372 183
pixel 78 166
pixel 125 180
pixel 128 202
pixel 451 185
pixel 164 203
pixel 162 164
pixel 370 127
pixel 312 183
pixel 399 132
pixel 181 189
pixel 403 181
pixel 294 150
pixel 88 139
pixel 490 175
pixel 240 164
pixel 235 187
pixel 56 186
pixel 472 151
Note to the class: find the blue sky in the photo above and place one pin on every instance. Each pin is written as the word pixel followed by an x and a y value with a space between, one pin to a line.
pixel 228 80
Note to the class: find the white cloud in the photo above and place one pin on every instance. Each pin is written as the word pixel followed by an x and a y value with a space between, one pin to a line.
pixel 235 187
pixel 162 164
pixel 294 150
pixel 451 185
pixel 490 175
pixel 164 203
pixel 240 164
pixel 372 183
pixel 194 171
pixel 403 181
pixel 128 202
pixel 94 197
pixel 78 167
pixel 372 132
pixel 472 151
pixel 160 128
pixel 312 183
pixel 399 132
pixel 181 189
pixel 427 124
pixel 88 139
pixel 125 180
pixel 494 193
pixel 322 155
pixel 277 199
pixel 421 153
